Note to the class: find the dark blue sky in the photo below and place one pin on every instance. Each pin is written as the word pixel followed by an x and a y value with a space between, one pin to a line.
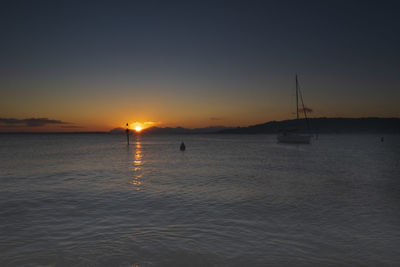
pixel 186 62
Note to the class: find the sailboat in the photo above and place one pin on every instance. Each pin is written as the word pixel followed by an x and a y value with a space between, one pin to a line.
pixel 294 136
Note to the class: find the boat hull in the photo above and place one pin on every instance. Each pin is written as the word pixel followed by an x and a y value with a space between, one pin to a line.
pixel 294 138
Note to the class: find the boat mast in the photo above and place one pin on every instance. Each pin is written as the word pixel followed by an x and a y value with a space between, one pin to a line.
pixel 297 98
pixel 304 108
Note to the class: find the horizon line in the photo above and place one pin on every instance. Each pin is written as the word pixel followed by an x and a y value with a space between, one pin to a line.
pixel 228 127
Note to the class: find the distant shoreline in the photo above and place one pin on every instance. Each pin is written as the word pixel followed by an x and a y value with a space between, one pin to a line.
pixel 368 125
pixel 53 132
pixel 325 126
pixel 171 134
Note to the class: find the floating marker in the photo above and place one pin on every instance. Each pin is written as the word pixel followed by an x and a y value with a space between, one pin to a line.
pixel 183 147
pixel 127 133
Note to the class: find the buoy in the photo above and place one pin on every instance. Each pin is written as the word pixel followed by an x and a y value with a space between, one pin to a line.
pixel 183 147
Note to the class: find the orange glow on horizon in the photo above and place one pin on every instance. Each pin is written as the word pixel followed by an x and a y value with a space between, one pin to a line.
pixel 138 126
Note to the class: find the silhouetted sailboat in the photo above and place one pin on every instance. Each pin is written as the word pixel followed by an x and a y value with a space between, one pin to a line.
pixel 293 136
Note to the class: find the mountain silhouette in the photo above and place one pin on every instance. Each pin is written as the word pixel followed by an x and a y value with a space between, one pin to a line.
pixel 317 125
pixel 324 125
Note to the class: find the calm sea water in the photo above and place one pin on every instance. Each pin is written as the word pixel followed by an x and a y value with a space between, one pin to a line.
pixel 228 200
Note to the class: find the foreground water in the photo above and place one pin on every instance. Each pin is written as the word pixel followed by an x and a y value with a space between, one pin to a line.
pixel 90 200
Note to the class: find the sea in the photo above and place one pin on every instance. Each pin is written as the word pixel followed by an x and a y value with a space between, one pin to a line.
pixel 227 200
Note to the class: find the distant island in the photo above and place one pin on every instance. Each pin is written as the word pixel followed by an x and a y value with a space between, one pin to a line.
pixel 317 125
pixel 324 125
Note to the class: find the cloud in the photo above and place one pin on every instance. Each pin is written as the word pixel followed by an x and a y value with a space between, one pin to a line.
pixel 30 122
pixel 215 119
pixel 152 123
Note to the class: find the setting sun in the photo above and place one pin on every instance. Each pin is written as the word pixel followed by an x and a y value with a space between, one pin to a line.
pixel 136 126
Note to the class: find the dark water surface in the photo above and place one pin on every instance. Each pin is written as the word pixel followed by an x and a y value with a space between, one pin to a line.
pixel 89 200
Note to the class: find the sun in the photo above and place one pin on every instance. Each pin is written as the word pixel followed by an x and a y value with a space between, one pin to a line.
pixel 136 126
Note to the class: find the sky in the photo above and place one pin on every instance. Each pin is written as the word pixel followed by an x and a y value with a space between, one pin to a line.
pixel 96 65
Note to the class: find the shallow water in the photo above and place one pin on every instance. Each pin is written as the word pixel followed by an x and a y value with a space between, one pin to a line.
pixel 228 200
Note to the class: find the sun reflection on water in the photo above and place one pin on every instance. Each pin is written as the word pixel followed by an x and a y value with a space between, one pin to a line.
pixel 137 165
